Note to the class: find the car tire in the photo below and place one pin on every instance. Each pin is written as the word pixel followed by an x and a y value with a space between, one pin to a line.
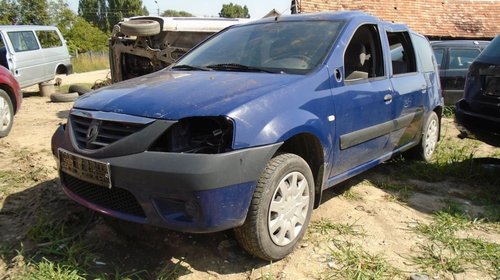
pixel 64 97
pixel 267 232
pixel 79 89
pixel 140 27
pixel 430 137
pixel 6 114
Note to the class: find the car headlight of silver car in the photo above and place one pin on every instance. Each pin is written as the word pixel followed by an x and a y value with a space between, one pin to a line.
pixel 201 135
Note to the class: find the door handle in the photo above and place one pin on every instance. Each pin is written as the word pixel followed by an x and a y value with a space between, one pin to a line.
pixel 387 98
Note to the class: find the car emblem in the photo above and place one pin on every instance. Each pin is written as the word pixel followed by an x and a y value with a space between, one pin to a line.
pixel 92 132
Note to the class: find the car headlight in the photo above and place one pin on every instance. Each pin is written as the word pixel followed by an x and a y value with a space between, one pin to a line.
pixel 201 135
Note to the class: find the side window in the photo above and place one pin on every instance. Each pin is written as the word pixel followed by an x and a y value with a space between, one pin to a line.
pixel 23 41
pixel 439 54
pixel 48 38
pixel 363 57
pixel 462 58
pixel 424 53
pixel 402 54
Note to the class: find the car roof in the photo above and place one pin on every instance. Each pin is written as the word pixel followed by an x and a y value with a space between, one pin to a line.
pixel 459 43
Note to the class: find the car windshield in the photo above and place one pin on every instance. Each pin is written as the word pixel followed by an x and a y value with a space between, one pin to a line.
pixel 294 47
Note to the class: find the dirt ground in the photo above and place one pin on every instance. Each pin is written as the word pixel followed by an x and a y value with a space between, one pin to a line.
pixel 386 223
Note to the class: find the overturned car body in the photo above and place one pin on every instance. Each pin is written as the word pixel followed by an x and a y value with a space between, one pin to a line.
pixel 142 45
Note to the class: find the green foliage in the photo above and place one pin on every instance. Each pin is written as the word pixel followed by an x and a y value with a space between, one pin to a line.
pixel 325 226
pixel 174 13
pixel 84 37
pixel 106 13
pixel 9 12
pixel 33 12
pixel 234 11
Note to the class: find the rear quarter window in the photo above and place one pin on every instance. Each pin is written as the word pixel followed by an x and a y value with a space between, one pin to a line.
pixel 424 53
pixel 48 38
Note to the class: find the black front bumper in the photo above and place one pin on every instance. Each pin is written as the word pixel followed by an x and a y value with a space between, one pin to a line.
pixel 186 192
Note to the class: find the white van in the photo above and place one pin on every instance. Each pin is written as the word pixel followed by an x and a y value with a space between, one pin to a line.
pixel 34 54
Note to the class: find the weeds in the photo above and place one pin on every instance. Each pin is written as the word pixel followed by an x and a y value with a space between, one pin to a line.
pixel 448 253
pixel 352 195
pixel 86 63
pixel 325 226
pixel 350 261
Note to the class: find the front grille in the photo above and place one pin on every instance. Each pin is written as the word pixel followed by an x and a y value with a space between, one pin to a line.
pixel 107 132
pixel 116 199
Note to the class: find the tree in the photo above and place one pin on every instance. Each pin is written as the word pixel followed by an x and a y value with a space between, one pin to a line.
pixel 84 37
pixel 234 11
pixel 9 11
pixel 106 13
pixel 33 12
pixel 174 13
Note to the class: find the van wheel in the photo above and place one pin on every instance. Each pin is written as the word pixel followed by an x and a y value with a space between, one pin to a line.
pixel 280 209
pixel 6 114
pixel 430 136
pixel 140 27
pixel 64 97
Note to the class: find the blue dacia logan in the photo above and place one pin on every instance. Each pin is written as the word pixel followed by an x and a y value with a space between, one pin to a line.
pixel 250 127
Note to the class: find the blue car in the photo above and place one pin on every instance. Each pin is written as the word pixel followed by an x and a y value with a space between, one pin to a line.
pixel 250 127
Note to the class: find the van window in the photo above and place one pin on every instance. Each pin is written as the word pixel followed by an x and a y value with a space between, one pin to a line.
pixel 23 41
pixel 424 53
pixel 439 53
pixel 48 38
pixel 402 54
pixel 363 56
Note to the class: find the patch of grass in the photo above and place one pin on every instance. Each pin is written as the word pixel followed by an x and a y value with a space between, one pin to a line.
pixel 448 253
pixel 398 191
pixel 350 261
pixel 172 271
pixel 86 63
pixel 449 111
pixel 352 195
pixel 325 226
pixel 50 270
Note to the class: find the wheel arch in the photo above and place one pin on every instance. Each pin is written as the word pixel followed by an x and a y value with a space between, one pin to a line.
pixel 439 112
pixel 308 147
pixel 11 95
pixel 61 69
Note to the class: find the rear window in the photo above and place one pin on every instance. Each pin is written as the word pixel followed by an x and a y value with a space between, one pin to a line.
pixel 462 58
pixel 48 38
pixel 424 53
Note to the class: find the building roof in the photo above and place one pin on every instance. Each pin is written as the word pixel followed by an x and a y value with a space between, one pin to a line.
pixel 434 18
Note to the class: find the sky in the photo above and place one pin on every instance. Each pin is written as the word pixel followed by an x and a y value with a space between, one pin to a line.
pixel 209 8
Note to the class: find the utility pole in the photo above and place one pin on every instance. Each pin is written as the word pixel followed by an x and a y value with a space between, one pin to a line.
pixel 157 8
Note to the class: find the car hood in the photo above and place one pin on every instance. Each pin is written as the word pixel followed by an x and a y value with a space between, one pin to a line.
pixel 177 94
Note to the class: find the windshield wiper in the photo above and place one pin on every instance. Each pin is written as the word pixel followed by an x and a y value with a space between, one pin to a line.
pixel 238 67
pixel 190 67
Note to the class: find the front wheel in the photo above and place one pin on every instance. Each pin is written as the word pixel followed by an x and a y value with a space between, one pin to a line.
pixel 280 209
pixel 6 114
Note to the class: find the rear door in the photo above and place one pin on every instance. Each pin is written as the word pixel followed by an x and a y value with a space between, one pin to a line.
pixel 410 88
pixel 54 52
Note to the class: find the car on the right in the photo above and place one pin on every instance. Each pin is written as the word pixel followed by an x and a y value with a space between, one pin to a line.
pixel 477 114
pixel 454 58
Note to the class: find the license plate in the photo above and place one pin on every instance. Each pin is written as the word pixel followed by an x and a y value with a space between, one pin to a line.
pixel 86 169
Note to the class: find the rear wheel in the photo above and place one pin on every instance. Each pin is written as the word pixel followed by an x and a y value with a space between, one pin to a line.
pixel 6 114
pixel 280 209
pixel 430 136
